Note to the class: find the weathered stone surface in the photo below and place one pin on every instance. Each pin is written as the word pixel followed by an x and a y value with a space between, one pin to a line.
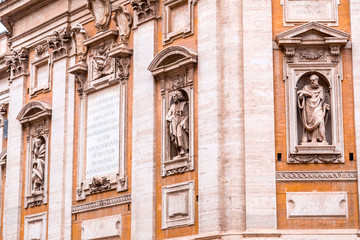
pixel 316 204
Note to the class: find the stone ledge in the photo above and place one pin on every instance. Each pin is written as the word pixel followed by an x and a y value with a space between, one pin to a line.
pixel 109 202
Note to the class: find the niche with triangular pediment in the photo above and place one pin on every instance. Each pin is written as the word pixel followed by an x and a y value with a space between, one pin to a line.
pixel 313 75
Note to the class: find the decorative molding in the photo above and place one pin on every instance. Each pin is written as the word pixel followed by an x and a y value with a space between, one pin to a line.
pixel 317 176
pixel 311 54
pixel 59 42
pixel 315 158
pixel 144 9
pixel 178 19
pixel 109 202
pixel 17 62
pixel 33 111
pixel 42 61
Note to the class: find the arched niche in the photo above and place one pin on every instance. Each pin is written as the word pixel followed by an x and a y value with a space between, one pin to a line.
pixel 174 68
pixel 325 84
pixel 35 117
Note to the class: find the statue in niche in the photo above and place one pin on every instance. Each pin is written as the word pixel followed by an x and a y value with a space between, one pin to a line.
pixel 123 21
pixel 313 112
pixel 177 119
pixel 38 165
pixel 101 62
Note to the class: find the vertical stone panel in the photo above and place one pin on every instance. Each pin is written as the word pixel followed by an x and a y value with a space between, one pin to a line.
pixel 60 177
pixel 355 37
pixel 259 116
pixel 143 144
pixel 208 122
pixel 12 202
pixel 220 125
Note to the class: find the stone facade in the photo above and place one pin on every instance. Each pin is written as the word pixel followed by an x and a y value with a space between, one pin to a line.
pixel 179 119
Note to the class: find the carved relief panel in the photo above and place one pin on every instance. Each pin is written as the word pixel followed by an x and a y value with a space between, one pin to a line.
pixel 35 117
pixel 313 75
pixel 174 69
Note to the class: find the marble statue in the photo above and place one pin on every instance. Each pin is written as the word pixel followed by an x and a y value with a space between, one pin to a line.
pixel 178 121
pixel 38 165
pixel 80 35
pixel 313 111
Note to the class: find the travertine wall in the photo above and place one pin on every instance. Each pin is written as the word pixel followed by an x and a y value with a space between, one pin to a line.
pixel 238 183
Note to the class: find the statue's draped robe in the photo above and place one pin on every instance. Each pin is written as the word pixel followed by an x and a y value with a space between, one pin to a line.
pixel 38 167
pixel 312 109
pixel 179 135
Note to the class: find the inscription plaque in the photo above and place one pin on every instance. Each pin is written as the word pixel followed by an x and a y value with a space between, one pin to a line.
pixel 102 146
pixel 296 11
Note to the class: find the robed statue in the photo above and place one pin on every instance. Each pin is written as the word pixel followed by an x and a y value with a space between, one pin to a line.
pixel 178 122
pixel 38 165
pixel 313 112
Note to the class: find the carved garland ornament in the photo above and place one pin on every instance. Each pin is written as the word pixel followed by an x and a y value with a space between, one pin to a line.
pixel 311 54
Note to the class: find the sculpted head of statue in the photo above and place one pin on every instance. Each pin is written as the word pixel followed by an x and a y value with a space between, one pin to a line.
pixel 314 81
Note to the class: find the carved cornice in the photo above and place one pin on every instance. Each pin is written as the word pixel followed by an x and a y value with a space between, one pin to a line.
pixel 17 62
pixel 49 22
pixel 109 202
pixel 144 9
pixel 317 176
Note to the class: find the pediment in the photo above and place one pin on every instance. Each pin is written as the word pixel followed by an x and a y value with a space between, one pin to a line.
pixel 171 58
pixel 312 33
pixel 32 111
